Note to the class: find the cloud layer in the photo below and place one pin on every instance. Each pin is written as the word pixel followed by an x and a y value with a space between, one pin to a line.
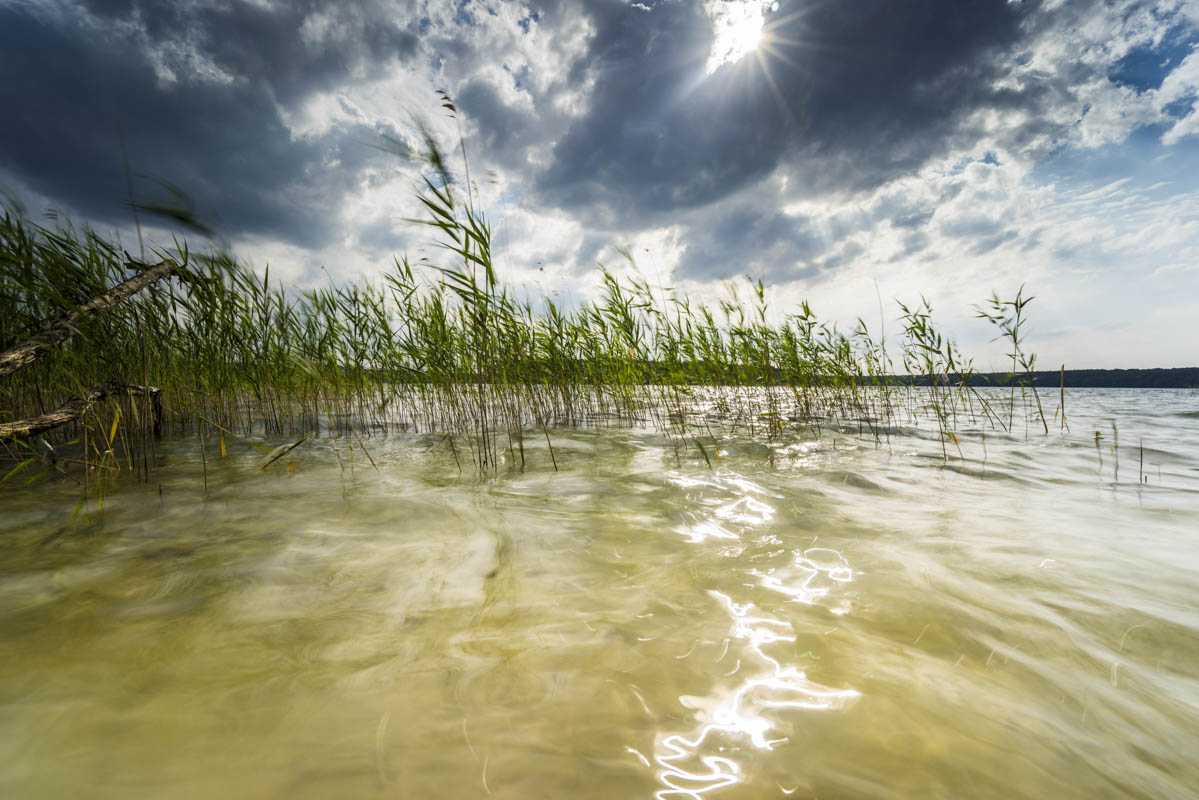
pixel 932 145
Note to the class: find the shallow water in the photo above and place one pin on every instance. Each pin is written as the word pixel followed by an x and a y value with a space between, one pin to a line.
pixel 814 618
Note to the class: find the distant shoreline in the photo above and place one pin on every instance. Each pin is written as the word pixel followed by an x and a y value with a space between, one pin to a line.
pixel 1174 378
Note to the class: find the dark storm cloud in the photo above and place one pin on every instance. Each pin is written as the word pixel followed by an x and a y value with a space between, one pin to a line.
pixel 866 91
pixel 656 137
pixel 742 238
pixel 197 93
pixel 266 43
pixel 504 132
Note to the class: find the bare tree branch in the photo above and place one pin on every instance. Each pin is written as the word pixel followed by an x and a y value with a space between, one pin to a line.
pixel 76 407
pixel 57 331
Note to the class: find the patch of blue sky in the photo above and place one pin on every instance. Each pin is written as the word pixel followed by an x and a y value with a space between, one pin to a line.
pixel 1145 68
pixel 463 15
pixel 527 22
pixel 989 157
pixel 1141 157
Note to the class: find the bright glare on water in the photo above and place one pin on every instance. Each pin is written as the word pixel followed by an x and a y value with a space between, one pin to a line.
pixel 813 618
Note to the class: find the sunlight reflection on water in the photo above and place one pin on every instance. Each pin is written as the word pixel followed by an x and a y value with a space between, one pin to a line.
pixel 703 761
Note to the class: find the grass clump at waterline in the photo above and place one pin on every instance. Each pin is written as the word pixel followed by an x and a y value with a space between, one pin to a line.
pixel 212 349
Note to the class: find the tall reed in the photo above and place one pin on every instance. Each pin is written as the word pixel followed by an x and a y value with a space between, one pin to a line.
pixel 448 349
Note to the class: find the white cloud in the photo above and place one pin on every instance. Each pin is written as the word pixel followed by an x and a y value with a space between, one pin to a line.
pixel 1180 85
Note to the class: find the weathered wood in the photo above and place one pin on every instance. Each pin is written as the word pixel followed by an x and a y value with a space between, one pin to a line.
pixel 76 407
pixel 57 331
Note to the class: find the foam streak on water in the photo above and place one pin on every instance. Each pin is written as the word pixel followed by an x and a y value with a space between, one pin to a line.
pixel 832 617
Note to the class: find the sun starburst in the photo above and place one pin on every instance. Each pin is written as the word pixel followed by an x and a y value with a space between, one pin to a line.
pixel 736 30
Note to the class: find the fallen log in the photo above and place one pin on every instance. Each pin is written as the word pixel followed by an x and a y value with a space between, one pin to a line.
pixel 57 331
pixel 76 407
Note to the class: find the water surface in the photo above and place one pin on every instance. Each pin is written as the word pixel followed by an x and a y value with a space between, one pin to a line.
pixel 817 618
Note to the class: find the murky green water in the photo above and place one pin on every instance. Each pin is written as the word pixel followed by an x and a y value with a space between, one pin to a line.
pixel 827 619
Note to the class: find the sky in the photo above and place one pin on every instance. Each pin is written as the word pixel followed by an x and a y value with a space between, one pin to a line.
pixel 846 152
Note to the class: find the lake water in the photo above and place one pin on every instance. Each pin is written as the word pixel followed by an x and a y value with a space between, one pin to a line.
pixel 813 618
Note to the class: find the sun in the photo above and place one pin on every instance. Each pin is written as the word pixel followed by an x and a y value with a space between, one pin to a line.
pixel 736 30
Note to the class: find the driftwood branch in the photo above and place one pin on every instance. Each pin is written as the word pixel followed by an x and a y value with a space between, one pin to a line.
pixel 57 331
pixel 76 407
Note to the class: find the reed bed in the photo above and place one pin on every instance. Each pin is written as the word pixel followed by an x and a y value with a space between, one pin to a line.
pixel 450 350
